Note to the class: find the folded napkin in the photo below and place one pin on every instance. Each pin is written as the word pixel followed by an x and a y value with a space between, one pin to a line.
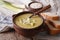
pixel 6 12
pixel 5 22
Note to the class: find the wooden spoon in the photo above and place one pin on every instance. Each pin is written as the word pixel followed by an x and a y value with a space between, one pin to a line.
pixel 41 10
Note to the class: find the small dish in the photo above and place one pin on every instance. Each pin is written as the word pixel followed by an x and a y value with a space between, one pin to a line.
pixel 34 6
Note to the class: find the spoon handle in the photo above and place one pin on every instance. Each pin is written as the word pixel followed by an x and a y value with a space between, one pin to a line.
pixel 43 9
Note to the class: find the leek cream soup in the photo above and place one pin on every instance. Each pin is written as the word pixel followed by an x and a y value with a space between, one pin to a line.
pixel 25 22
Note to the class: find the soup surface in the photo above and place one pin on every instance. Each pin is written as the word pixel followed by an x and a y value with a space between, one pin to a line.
pixel 25 22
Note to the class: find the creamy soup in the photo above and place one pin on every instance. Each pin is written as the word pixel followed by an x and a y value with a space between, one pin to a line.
pixel 24 21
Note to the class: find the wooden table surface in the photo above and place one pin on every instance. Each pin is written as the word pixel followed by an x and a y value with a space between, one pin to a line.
pixel 12 35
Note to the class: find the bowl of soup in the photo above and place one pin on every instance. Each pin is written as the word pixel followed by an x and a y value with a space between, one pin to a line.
pixel 27 26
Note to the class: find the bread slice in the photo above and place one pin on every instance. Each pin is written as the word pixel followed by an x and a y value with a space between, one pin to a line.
pixel 52 30
pixel 49 16
pixel 56 23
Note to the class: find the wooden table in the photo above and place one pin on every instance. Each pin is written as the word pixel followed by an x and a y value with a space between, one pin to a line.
pixel 12 35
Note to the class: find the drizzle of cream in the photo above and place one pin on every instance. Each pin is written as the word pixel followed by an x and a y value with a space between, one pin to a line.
pixel 27 21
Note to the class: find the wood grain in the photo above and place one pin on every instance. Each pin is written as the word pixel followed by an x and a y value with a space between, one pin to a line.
pixel 7 36
pixel 20 37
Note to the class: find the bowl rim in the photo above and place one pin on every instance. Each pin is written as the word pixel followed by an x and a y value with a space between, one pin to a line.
pixel 25 12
